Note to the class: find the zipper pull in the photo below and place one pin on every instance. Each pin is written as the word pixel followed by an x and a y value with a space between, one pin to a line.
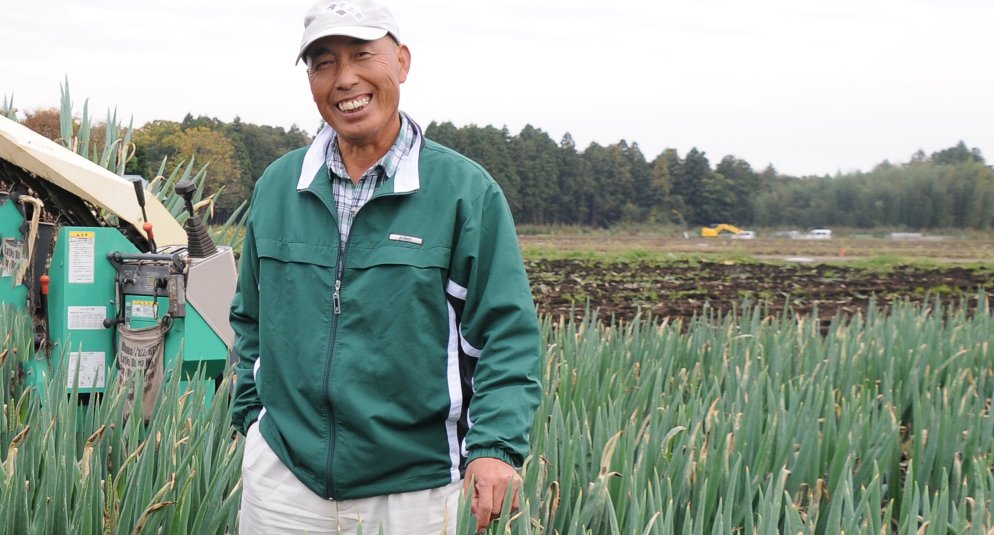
pixel 336 297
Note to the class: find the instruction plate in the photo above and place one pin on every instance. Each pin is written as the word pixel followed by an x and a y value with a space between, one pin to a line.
pixel 87 318
pixel 92 369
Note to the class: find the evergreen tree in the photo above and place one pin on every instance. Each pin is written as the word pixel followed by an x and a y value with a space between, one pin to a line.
pixel 689 185
pixel 665 206
pixel 743 184
pixel 576 186
pixel 957 154
pixel 536 158
pixel 612 180
pixel 641 178
pixel 487 146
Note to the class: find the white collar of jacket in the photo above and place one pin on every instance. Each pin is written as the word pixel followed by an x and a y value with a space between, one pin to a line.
pixel 406 180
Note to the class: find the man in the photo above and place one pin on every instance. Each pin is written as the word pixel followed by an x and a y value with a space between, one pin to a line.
pixel 387 341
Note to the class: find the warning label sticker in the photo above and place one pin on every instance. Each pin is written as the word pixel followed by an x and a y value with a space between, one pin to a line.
pixel 144 309
pixel 92 369
pixel 11 252
pixel 81 258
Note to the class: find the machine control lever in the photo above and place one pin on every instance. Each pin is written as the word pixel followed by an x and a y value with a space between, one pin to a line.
pixel 147 227
pixel 198 242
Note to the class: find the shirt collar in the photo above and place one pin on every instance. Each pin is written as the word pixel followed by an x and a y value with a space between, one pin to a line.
pixel 385 166
pixel 400 161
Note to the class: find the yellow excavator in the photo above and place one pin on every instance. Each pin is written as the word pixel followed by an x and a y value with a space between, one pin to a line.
pixel 720 229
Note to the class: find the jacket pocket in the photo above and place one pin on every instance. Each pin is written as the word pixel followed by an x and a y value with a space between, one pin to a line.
pixel 302 253
pixel 295 281
pixel 290 274
pixel 400 255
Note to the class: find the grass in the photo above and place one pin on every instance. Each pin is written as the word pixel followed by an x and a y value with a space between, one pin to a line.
pixel 971 249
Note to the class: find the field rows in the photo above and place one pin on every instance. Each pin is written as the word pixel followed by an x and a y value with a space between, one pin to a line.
pixel 680 289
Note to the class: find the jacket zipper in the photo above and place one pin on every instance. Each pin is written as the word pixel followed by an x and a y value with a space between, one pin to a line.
pixel 336 298
pixel 336 311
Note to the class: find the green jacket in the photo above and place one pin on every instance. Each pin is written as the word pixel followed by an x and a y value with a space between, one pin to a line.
pixel 389 367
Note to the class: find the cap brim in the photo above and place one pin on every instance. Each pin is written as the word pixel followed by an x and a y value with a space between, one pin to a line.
pixel 359 32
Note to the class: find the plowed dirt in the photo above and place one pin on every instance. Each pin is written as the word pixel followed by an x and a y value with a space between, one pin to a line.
pixel 683 288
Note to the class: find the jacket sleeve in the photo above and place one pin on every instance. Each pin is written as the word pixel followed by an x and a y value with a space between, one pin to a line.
pixel 244 320
pixel 500 326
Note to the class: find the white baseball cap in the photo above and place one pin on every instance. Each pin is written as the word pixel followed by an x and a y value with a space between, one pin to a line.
pixel 362 19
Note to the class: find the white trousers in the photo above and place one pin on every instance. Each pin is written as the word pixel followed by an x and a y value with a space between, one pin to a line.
pixel 274 501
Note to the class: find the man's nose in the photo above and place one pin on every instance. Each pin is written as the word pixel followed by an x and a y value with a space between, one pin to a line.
pixel 346 75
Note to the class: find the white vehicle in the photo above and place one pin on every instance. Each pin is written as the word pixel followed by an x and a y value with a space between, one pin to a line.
pixel 819 234
pixel 744 235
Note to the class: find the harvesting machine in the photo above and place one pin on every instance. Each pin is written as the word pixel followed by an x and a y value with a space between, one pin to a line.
pixel 109 276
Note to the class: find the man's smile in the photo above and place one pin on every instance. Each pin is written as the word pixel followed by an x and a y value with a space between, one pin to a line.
pixel 354 105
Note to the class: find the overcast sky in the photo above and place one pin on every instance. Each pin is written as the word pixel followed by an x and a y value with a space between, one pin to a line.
pixel 812 87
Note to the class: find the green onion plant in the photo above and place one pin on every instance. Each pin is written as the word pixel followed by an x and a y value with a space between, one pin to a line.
pixel 879 423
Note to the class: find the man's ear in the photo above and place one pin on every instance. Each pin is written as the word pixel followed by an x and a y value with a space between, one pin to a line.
pixel 404 58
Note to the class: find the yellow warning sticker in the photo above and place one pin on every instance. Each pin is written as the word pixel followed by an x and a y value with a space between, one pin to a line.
pixel 144 309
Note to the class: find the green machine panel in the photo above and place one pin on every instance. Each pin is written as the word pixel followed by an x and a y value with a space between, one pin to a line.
pixel 12 253
pixel 82 294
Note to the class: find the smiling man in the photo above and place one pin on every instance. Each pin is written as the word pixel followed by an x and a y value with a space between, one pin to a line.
pixel 387 340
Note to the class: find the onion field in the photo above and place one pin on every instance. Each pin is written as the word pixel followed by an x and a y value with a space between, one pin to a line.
pixel 745 421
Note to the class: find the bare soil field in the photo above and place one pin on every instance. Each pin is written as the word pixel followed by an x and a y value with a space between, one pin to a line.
pixel 678 278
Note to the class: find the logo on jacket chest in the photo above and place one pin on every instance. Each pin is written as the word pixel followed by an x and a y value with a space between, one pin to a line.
pixel 406 239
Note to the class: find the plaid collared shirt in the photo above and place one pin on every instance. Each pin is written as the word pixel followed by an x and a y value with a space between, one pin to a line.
pixel 349 197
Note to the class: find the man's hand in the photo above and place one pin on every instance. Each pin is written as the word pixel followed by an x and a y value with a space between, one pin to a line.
pixel 490 478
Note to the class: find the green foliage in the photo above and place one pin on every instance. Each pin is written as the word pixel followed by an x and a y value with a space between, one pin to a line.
pixel 752 425
pixel 117 150
pixel 607 186
pixel 536 160
pixel 739 182
pixel 231 233
pixel 489 147
pixel 722 425
pixel 922 195
pixel 613 187
pixel 957 155
pixel 576 185
pixel 239 152
pixel 70 467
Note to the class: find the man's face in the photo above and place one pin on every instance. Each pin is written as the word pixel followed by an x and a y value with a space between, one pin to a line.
pixel 356 86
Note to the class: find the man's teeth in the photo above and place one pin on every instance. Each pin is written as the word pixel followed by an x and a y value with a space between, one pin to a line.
pixel 353 105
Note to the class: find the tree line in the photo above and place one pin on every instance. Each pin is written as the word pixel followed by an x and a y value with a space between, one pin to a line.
pixel 236 153
pixel 952 188
pixel 601 186
pixel 550 183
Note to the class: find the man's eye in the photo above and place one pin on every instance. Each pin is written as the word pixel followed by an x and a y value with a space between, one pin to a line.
pixel 324 64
